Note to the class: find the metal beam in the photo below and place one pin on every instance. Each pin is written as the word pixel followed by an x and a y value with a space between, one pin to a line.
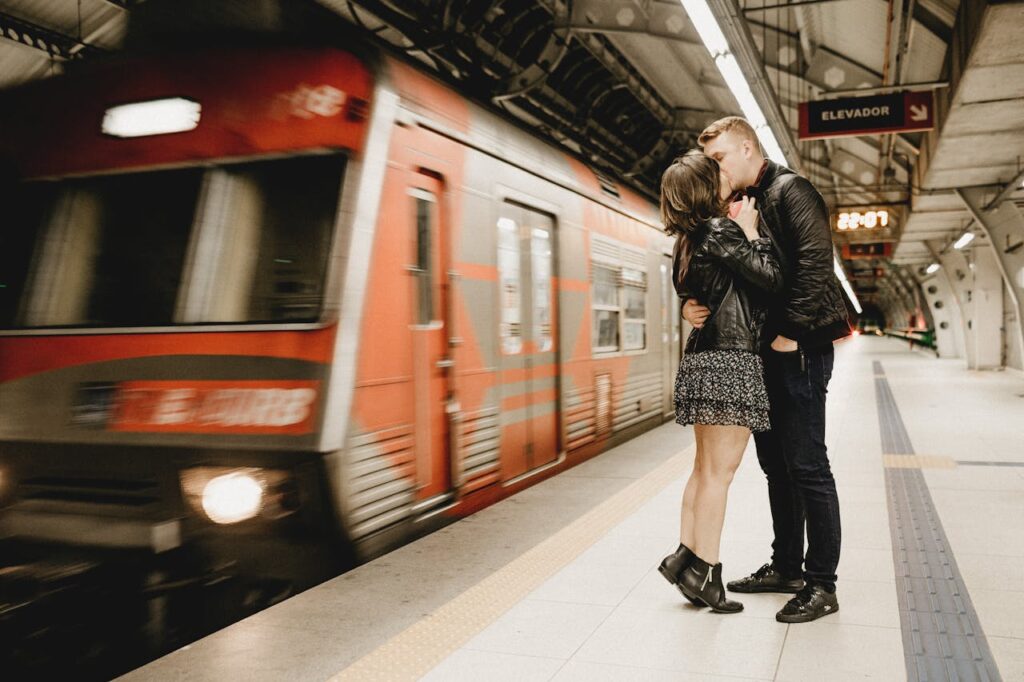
pixel 786 5
pixel 53 43
pixel 933 85
pixel 1005 193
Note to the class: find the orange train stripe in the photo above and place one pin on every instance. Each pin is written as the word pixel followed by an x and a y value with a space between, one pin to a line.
pixel 26 355
pixel 535 398
pixel 509 376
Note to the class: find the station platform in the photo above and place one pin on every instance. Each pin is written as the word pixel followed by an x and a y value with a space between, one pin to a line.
pixel 560 583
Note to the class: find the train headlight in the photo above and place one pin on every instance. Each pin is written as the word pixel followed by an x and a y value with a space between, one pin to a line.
pixel 233 497
pixel 228 495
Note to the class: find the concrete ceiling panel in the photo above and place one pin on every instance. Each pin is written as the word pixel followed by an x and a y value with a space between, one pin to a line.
pixel 984 118
pixel 838 73
pixel 988 83
pixel 938 202
pixel 925 57
pixel 999 38
pixel 954 178
pixel 978 151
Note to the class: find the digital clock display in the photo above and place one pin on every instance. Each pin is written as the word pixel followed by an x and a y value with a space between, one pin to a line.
pixel 867 220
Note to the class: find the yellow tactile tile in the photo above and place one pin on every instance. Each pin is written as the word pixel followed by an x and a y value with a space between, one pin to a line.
pixel 416 650
pixel 918 462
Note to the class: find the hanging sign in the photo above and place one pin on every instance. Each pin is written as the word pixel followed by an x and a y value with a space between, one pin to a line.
pixel 848 116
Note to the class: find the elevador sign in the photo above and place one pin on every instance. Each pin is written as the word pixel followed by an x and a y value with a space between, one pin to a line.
pixel 898 112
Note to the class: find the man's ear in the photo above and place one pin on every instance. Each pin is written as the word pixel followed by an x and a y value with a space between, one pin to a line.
pixel 748 149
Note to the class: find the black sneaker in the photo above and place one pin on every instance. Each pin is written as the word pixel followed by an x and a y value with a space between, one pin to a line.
pixel 810 603
pixel 766 579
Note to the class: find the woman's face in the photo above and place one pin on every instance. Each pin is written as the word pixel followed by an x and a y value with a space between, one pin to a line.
pixel 724 188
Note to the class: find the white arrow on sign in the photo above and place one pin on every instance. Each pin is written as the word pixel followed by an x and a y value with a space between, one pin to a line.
pixel 918 112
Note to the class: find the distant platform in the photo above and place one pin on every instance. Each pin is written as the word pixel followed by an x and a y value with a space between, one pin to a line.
pixel 559 582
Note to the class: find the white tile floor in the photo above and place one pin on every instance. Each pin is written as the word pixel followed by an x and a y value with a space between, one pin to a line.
pixel 610 616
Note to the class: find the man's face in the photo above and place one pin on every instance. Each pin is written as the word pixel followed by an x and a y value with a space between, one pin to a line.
pixel 734 154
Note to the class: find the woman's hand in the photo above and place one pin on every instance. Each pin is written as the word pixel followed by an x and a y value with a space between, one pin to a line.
pixel 747 218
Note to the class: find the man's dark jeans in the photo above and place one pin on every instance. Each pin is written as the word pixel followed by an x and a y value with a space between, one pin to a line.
pixel 794 458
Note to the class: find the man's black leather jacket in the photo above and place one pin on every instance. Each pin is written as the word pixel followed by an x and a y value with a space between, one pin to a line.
pixel 811 310
pixel 733 276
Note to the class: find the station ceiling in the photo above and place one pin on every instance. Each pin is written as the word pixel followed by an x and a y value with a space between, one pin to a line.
pixel 628 84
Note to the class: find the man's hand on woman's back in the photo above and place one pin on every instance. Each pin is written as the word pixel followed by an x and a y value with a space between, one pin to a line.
pixel 695 313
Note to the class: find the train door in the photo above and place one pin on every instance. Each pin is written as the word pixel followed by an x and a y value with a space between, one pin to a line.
pixel 431 361
pixel 670 337
pixel 529 339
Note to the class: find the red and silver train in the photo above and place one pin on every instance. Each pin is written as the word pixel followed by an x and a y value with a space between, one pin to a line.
pixel 273 311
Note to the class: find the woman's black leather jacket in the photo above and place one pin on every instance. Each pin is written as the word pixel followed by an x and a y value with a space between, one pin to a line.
pixel 735 278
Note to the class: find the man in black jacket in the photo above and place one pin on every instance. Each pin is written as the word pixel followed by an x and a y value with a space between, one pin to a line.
pixel 798 355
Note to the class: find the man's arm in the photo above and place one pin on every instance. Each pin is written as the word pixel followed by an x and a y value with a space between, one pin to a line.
pixel 808 219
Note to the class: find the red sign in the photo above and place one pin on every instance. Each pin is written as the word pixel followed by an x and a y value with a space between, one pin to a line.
pixel 249 407
pixel 857 250
pixel 252 102
pixel 848 116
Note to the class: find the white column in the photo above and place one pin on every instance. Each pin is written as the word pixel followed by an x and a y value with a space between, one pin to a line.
pixel 986 306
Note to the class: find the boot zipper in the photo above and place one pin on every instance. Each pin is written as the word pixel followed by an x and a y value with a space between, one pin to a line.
pixel 711 569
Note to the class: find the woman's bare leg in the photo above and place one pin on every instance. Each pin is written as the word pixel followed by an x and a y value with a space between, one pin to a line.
pixel 686 517
pixel 722 449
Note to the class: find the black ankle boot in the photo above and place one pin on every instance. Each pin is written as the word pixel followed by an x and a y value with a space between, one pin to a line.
pixel 703 581
pixel 674 564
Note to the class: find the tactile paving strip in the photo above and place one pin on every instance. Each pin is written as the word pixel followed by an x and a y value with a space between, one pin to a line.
pixel 942 638
pixel 416 650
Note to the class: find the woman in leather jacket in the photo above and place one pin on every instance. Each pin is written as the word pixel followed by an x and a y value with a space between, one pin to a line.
pixel 726 264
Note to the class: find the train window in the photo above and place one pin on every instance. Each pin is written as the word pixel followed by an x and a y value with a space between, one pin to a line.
pixel 619 296
pixel 511 297
pixel 27 210
pixel 424 269
pixel 114 251
pixel 541 253
pixel 634 323
pixel 605 308
pixel 264 241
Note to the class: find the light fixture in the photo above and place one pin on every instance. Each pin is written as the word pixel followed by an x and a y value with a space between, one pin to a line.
pixel 232 498
pixel 154 117
pixel 714 40
pixel 931 268
pixel 841 274
pixel 965 239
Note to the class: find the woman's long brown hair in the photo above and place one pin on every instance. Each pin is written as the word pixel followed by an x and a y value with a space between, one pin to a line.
pixel 689 197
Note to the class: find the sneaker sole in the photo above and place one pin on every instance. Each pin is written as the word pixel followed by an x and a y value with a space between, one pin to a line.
pixel 803 619
pixel 763 590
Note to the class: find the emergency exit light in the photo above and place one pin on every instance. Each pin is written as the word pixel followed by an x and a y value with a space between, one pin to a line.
pixel 155 117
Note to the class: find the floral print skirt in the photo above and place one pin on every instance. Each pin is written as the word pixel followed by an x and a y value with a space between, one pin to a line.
pixel 724 387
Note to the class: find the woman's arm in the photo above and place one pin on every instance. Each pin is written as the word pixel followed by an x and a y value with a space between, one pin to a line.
pixel 753 260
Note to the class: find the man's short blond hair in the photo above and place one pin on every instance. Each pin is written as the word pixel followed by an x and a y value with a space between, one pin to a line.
pixel 737 124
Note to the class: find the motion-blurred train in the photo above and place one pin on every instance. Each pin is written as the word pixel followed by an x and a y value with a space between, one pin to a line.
pixel 269 312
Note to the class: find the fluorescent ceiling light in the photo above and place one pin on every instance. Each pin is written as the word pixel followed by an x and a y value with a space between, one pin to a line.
pixel 964 240
pixel 714 40
pixel 931 268
pixel 707 26
pixel 841 274
pixel 853 297
pixel 155 117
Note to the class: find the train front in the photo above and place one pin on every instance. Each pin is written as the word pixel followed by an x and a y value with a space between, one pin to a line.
pixel 168 300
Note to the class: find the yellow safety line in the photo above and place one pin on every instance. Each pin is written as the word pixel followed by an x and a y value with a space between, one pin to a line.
pixel 918 462
pixel 419 648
